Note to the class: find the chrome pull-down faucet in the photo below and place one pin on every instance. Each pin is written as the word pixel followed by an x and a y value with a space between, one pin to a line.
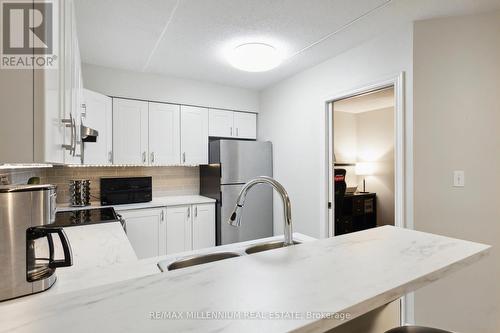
pixel 235 218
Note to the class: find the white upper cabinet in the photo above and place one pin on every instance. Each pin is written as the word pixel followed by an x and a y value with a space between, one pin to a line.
pixel 203 226
pixel 245 125
pixel 99 116
pixel 220 123
pixel 130 131
pixel 194 135
pixel 72 86
pixel 42 125
pixel 232 124
pixel 164 134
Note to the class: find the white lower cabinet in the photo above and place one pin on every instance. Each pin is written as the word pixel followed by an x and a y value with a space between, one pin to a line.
pixel 145 231
pixel 155 232
pixel 190 227
pixel 179 229
pixel 203 226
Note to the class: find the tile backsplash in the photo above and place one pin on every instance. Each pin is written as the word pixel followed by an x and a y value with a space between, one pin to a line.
pixel 166 180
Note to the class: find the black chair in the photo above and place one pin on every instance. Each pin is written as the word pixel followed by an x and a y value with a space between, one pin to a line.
pixel 416 329
pixel 340 188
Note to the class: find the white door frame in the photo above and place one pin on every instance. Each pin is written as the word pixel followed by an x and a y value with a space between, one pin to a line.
pixel 399 152
pixel 396 81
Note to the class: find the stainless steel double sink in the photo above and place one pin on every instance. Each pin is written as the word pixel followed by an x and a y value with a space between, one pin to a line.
pixel 216 256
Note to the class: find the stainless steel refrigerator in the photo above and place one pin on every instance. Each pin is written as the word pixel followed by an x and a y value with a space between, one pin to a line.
pixel 232 164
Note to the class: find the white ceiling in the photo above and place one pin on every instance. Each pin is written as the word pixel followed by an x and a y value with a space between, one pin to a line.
pixel 377 100
pixel 187 38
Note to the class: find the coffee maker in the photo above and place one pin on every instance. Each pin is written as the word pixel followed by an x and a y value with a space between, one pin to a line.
pixel 26 242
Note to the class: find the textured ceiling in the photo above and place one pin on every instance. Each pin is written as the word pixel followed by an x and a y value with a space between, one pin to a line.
pixel 187 38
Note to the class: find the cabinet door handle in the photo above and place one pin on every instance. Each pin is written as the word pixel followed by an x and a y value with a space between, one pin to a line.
pixel 189 213
pixel 231 131
pixel 84 110
pixel 183 157
pixel 144 157
pixel 110 157
pixel 68 123
pixel 73 135
pixel 195 211
pixel 152 157
pixel 162 216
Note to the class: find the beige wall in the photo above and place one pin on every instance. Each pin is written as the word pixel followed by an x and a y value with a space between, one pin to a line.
pixel 345 144
pixel 457 127
pixel 369 137
pixel 375 141
pixel 345 137
pixel 292 116
pixel 166 180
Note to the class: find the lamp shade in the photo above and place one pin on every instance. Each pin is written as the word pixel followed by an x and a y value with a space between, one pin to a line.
pixel 364 169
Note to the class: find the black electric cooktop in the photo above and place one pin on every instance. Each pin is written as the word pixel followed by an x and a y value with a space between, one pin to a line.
pixel 85 216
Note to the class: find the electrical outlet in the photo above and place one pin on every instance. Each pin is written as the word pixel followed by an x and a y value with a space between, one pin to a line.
pixel 4 180
pixel 458 178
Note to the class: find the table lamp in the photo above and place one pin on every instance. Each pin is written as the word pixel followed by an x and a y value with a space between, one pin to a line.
pixel 364 169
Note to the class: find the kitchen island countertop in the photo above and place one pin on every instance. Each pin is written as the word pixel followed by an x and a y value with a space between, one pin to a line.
pixel 315 286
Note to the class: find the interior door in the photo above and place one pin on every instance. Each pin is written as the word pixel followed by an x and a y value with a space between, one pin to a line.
pixel 130 131
pixel 203 226
pixel 245 125
pixel 179 230
pixel 143 231
pixel 220 123
pixel 164 134
pixel 194 135
pixel 99 116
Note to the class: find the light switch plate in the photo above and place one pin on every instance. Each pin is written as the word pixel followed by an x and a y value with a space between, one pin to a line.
pixel 458 178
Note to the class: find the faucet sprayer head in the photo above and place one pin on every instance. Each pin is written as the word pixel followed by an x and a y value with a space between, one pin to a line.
pixel 235 218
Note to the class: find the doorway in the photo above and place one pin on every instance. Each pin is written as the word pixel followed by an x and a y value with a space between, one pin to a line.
pixel 363 163
pixel 365 137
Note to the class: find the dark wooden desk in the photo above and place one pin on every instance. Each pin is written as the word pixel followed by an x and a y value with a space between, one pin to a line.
pixel 358 212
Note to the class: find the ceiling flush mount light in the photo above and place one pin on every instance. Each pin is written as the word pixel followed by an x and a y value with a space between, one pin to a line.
pixel 255 57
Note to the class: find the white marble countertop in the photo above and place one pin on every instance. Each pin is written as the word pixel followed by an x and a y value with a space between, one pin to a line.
pixel 99 252
pixel 103 255
pixel 239 248
pixel 164 201
pixel 350 275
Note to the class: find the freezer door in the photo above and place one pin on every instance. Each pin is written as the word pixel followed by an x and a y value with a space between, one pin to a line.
pixel 257 219
pixel 242 161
